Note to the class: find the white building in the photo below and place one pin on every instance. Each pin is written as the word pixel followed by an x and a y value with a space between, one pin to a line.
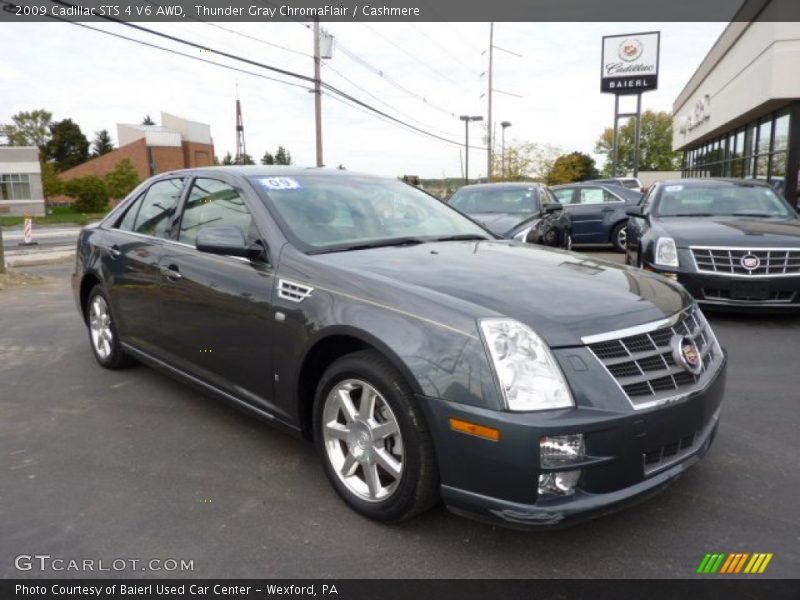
pixel 21 190
pixel 739 114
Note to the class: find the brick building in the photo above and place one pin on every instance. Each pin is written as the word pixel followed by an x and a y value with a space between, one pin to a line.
pixel 175 144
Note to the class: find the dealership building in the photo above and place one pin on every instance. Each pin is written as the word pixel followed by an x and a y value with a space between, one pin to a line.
pixel 739 114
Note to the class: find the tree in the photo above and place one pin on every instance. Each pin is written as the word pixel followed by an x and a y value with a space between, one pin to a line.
pixel 655 145
pixel 121 180
pixel 148 121
pixel 267 159
pixel 28 128
pixel 90 193
pixel 524 161
pixel 572 167
pixel 244 159
pixel 227 159
pixel 102 143
pixel 282 156
pixel 51 183
pixel 68 147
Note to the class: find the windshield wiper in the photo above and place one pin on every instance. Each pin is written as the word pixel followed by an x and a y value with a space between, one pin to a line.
pixel 753 215
pixel 461 237
pixel 691 215
pixel 401 241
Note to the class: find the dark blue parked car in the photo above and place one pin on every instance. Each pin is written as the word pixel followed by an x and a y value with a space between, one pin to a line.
pixel 597 211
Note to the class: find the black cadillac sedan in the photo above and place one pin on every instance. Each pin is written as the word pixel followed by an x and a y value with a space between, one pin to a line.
pixel 731 243
pixel 527 212
pixel 425 358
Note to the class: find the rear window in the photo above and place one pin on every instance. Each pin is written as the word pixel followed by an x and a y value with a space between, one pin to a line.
pixel 510 200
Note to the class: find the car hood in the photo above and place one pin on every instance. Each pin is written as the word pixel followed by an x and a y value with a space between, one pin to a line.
pixel 732 231
pixel 561 295
pixel 501 223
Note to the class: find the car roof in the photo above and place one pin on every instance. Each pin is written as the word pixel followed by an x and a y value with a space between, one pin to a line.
pixel 274 171
pixel 722 181
pixel 500 185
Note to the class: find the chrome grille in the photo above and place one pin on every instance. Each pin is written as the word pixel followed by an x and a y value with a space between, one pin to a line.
pixel 728 261
pixel 644 367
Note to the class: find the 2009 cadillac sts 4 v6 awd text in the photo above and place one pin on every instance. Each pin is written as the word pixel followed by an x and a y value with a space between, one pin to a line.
pixel 424 357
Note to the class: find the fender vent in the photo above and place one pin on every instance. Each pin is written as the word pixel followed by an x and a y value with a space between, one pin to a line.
pixel 296 292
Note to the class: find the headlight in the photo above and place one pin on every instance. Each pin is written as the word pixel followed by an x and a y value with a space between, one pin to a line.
pixel 666 252
pixel 522 235
pixel 529 375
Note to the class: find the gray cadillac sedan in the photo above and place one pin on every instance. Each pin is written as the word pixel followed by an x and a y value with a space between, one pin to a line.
pixel 425 358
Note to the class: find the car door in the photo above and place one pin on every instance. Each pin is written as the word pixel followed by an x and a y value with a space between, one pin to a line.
pixel 590 216
pixel 216 309
pixel 133 247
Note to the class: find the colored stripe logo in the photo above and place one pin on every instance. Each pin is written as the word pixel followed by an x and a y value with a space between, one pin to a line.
pixel 734 563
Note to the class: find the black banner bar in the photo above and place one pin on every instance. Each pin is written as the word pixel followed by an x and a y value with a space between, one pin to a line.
pixel 378 589
pixel 405 10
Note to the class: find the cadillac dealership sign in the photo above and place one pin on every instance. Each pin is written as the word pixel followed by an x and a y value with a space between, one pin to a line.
pixel 630 63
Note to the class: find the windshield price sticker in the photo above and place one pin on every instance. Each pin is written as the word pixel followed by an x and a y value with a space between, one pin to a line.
pixel 674 188
pixel 280 183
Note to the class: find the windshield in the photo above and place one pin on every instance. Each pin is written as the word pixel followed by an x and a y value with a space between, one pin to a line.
pixel 508 200
pixel 720 200
pixel 320 213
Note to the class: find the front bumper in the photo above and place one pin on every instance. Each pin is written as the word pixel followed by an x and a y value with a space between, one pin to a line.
pixel 498 481
pixel 780 292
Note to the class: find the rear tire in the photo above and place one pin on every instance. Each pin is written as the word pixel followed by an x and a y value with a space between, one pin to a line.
pixel 375 445
pixel 619 236
pixel 103 336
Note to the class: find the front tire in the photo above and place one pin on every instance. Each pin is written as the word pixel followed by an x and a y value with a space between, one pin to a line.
pixel 103 336
pixel 375 446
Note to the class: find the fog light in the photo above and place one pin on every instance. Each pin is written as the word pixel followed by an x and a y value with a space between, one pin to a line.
pixel 560 483
pixel 561 450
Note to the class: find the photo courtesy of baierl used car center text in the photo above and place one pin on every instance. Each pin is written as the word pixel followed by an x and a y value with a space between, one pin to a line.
pixel 428 299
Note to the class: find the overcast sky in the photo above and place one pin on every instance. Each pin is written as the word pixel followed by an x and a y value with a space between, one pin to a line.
pixel 100 81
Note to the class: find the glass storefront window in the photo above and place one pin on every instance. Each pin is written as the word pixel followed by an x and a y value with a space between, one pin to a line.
pixel 781 133
pixel 15 186
pixel 765 137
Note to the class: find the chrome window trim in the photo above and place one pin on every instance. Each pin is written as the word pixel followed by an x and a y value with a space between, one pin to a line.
pixel 176 243
pixel 742 249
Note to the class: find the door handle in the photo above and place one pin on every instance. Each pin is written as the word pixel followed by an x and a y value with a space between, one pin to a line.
pixel 171 272
pixel 608 210
pixel 113 251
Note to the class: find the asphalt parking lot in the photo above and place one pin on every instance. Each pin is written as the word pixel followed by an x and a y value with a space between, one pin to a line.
pixel 104 465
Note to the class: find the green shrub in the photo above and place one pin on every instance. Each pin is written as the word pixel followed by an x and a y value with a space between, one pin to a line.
pixel 122 179
pixel 90 193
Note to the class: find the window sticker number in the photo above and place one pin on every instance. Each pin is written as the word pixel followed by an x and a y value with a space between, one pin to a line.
pixel 674 188
pixel 280 183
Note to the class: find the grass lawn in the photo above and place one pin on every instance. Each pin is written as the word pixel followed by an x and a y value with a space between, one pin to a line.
pixel 54 219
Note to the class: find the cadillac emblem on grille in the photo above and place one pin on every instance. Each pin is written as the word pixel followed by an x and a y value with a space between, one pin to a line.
pixel 750 262
pixel 686 354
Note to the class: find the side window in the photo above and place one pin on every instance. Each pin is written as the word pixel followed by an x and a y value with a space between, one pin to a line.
pixel 214 202
pixel 563 196
pixel 158 207
pixel 609 197
pixel 129 218
pixel 592 195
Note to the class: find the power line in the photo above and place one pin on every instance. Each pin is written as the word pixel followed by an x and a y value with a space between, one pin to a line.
pixel 443 49
pixel 261 65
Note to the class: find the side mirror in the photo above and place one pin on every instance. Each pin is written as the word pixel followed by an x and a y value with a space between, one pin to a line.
pixel 635 211
pixel 227 241
pixel 551 208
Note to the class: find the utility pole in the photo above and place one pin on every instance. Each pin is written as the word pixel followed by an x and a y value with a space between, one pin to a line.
pixel 504 125
pixel 489 110
pixel 240 147
pixel 467 119
pixel 317 93
pixel 2 256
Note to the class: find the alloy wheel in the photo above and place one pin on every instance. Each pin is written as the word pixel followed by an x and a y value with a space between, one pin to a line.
pixel 622 237
pixel 362 440
pixel 100 327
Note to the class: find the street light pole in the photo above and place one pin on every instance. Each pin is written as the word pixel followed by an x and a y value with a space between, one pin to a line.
pixel 317 93
pixel 504 124
pixel 489 112
pixel 467 119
